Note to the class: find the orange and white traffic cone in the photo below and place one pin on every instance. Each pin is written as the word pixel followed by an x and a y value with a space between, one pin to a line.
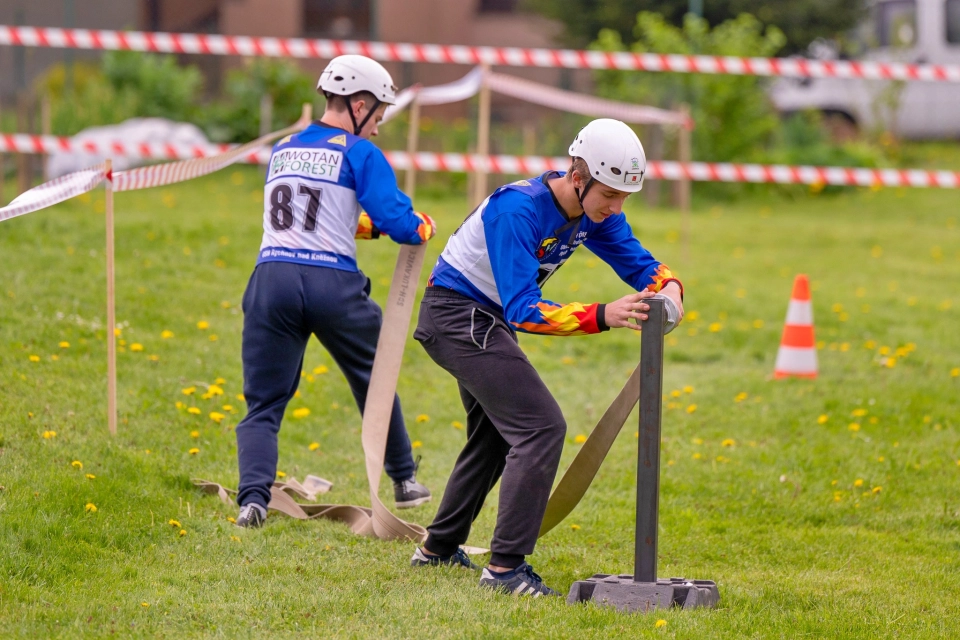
pixel 798 351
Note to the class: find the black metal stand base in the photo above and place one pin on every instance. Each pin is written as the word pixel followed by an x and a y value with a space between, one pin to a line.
pixel 621 592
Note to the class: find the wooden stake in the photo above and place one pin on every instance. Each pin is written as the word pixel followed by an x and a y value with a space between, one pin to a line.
pixel 413 140
pixel 684 185
pixel 111 309
pixel 266 114
pixel 46 128
pixel 483 138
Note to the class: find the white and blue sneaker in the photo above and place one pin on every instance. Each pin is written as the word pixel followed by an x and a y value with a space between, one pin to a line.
pixel 521 581
pixel 252 515
pixel 458 559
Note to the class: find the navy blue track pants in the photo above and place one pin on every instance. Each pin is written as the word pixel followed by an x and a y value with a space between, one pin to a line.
pixel 283 305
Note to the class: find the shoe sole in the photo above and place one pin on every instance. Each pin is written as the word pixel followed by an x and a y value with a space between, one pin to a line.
pixel 409 504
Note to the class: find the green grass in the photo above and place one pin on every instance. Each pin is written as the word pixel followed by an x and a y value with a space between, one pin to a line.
pixel 777 519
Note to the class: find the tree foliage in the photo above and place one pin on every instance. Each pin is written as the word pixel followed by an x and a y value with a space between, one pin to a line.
pixel 801 21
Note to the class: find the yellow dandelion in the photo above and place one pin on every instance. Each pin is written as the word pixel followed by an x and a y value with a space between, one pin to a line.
pixel 858 482
pixel 740 397
pixel 194 451
pixel 183 532
pixel 659 624
pixel 580 439
pixel 715 327
pixel 64 345
pixel 189 391
pixel 691 408
pixel 697 441
pixel 90 507
pixel 456 424
pixel 314 446
pixel 334 405
pixel 722 459
pixel 241 397
pixel 54 357
pixel 213 337
pixel 884 351
pixel 890 363
pixel 575 527
pixel 166 334
pixel 34 358
pixel 416 444
pixel 235 538
pixel 76 464
pixel 319 371
pixel 153 358
pixel 822 419
pixel 216 416
pixel 144 604
pixel 228 407
pixel 180 405
pixel 692 316
pixel 877 489
pixel 194 410
pixel 90 476
pixel 955 372
pixel 296 394
pixel 854 426
pixel 47 435
pixel 231 520
pixel 698 456
pixel 281 474
pixel 194 434
pixel 567 360
pixel 423 418
pixel 688 389
pixel 859 413
pixel 215 390
pixel 302 412
pixel 203 324
pixel 175 523
pixel 881 459
pixel 837 496
pixel 117 331
pixel 870 344
pixel 675 393
pixel 136 346
pixel 758 324
pixel 729 442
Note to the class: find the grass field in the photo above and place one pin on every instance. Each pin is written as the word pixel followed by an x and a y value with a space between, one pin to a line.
pixel 825 509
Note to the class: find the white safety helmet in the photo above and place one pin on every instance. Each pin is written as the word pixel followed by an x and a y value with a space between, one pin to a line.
pixel 613 154
pixel 350 74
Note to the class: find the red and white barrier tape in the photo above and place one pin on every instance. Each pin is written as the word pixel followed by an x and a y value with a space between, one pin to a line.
pixel 55 191
pixel 157 175
pixel 460 54
pixel 200 162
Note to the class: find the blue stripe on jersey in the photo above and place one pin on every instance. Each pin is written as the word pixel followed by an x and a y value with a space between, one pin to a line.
pixel 307 257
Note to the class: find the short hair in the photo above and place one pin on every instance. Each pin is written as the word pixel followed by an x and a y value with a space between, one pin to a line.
pixel 340 105
pixel 579 165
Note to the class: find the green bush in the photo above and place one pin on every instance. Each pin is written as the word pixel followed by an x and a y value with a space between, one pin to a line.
pixel 126 85
pixel 734 118
pixel 237 117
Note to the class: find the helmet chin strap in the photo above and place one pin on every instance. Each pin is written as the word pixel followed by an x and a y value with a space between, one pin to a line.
pixel 357 128
pixel 582 193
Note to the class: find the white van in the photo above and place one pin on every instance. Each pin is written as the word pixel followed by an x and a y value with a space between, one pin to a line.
pixel 918 31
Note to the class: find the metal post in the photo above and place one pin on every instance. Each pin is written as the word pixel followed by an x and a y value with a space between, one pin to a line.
pixel 648 455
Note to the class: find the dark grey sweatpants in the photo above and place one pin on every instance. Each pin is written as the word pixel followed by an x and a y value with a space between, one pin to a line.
pixel 514 427
pixel 283 305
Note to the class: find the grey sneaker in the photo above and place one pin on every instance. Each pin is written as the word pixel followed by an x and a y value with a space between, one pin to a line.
pixel 409 493
pixel 251 516
pixel 458 559
pixel 522 581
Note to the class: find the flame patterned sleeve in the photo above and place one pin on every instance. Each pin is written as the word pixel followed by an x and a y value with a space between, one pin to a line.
pixel 614 243
pixel 512 238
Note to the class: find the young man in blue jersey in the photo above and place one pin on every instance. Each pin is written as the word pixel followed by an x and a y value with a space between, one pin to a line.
pixel 306 280
pixel 485 287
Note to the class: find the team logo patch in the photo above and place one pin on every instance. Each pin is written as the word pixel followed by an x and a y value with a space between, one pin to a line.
pixel 319 164
pixel 547 247
pixel 635 164
pixel 521 183
pixel 340 140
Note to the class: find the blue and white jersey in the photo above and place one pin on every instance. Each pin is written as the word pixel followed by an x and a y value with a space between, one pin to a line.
pixel 506 250
pixel 318 181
